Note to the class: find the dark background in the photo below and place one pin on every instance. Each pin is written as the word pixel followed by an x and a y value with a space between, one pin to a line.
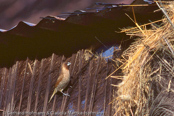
pixel 13 11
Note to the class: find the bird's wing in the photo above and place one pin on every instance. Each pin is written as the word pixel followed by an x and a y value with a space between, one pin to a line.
pixel 59 80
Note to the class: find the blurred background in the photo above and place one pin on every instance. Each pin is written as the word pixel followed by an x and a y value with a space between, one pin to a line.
pixel 13 11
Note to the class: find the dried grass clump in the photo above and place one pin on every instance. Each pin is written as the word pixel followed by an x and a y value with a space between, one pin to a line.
pixel 147 66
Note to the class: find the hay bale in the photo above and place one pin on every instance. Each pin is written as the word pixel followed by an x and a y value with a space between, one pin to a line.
pixel 148 66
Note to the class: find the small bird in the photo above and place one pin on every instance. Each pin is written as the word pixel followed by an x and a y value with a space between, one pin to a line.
pixel 63 80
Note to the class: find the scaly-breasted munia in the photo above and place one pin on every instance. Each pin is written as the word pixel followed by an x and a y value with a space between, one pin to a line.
pixel 63 79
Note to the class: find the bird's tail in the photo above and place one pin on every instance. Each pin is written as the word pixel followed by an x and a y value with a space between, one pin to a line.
pixel 55 91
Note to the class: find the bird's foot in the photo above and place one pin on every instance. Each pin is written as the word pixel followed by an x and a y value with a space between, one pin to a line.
pixel 65 94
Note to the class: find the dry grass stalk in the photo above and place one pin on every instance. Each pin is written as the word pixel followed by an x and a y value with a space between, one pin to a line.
pixel 135 90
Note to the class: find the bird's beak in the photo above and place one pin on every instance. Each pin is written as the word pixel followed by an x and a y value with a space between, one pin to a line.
pixel 69 63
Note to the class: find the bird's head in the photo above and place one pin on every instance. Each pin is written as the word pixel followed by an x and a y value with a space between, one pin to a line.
pixel 66 65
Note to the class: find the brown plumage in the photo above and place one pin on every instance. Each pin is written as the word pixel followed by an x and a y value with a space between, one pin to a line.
pixel 63 80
